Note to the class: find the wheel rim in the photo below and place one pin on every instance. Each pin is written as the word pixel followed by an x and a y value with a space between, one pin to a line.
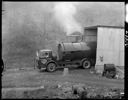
pixel 51 67
pixel 86 64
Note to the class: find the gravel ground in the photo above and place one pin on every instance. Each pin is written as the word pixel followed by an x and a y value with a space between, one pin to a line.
pixel 34 84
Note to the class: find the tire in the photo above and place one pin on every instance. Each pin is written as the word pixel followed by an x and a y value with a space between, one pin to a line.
pixel 51 67
pixel 86 64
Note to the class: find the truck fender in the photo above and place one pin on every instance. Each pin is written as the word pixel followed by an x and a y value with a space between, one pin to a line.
pixel 51 61
pixel 83 60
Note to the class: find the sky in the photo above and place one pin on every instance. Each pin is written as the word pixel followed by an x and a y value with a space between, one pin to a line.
pixel 85 14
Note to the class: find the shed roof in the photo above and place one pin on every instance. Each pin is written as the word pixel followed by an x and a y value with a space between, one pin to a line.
pixel 96 26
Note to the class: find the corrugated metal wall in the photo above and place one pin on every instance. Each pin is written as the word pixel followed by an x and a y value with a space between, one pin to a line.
pixel 110 47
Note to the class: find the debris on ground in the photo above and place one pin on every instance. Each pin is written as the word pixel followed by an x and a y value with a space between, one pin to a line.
pixel 69 90
pixel 119 75
pixel 109 71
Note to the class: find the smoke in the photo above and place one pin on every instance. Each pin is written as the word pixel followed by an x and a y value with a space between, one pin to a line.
pixel 64 14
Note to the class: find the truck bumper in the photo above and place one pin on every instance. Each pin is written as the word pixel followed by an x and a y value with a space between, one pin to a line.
pixel 43 68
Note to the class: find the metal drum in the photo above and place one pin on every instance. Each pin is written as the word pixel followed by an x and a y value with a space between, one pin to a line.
pixel 74 51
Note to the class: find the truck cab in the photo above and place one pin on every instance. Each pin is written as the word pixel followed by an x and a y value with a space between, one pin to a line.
pixel 45 60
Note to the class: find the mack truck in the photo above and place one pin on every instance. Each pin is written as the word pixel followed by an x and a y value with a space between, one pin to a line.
pixel 80 54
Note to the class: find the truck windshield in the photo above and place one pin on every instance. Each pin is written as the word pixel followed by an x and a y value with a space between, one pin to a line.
pixel 43 54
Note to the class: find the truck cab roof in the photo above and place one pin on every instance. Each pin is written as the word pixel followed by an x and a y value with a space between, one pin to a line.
pixel 45 50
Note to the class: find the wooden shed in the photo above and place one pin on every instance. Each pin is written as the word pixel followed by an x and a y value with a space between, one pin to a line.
pixel 109 42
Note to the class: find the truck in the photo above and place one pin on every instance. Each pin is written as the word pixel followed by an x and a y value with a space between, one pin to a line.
pixel 80 54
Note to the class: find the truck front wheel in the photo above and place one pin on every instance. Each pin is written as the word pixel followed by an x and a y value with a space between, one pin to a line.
pixel 51 67
pixel 86 64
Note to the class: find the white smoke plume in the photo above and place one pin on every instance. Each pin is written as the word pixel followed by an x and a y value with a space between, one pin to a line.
pixel 64 14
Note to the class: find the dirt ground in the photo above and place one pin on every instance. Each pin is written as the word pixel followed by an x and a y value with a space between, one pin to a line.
pixel 31 79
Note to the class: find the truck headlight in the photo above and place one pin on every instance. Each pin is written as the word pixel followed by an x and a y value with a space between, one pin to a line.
pixel 43 61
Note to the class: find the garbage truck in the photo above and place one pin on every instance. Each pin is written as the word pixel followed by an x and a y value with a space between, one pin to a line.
pixel 68 54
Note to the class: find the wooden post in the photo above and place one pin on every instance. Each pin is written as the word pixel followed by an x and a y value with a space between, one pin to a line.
pixel 65 72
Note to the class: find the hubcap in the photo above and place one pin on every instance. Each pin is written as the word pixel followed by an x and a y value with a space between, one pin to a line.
pixel 51 66
pixel 86 64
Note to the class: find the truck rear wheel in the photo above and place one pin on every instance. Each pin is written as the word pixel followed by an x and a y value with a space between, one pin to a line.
pixel 86 64
pixel 51 67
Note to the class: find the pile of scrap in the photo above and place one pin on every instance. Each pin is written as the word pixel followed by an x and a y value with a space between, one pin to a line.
pixel 66 90
pixel 119 73
pixel 109 71
pixel 112 71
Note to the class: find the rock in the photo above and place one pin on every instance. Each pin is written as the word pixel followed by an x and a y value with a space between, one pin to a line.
pixel 66 84
pixel 99 96
pixel 80 91
pixel 67 89
pixel 119 76
pixel 91 72
pixel 42 87
pixel 79 85
pixel 83 94
pixel 58 86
